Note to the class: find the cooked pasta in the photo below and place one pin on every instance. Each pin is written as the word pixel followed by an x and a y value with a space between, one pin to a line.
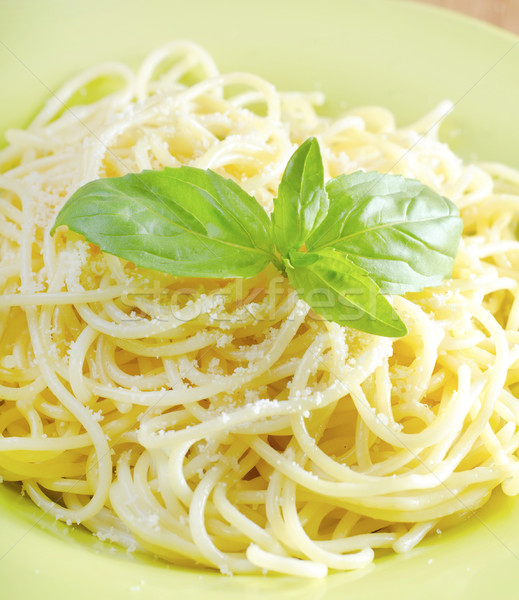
pixel 220 423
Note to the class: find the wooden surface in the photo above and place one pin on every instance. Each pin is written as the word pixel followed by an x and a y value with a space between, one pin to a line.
pixel 504 13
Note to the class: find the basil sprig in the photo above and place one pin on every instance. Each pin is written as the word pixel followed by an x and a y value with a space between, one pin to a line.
pixel 342 245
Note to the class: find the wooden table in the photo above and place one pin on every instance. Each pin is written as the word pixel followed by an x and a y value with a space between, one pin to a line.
pixel 504 13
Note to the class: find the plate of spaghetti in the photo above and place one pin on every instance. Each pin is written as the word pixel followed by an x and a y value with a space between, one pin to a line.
pixel 178 413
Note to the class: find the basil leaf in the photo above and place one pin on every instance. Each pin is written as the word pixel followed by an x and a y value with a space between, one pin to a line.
pixel 302 202
pixel 186 221
pixel 340 291
pixel 399 230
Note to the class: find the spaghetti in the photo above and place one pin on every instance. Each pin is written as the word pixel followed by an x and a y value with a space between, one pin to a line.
pixel 219 422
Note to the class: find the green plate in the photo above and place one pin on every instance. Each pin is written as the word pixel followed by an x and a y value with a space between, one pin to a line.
pixel 402 55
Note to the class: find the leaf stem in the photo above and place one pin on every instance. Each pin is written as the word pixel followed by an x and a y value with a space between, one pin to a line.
pixel 278 263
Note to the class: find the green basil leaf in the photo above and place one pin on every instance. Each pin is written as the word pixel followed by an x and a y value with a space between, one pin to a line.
pixel 302 202
pixel 403 233
pixel 341 291
pixel 186 221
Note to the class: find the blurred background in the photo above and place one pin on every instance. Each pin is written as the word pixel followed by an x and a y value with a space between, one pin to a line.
pixel 504 13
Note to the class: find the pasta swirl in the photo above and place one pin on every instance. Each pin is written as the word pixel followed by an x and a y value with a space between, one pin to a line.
pixel 220 422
